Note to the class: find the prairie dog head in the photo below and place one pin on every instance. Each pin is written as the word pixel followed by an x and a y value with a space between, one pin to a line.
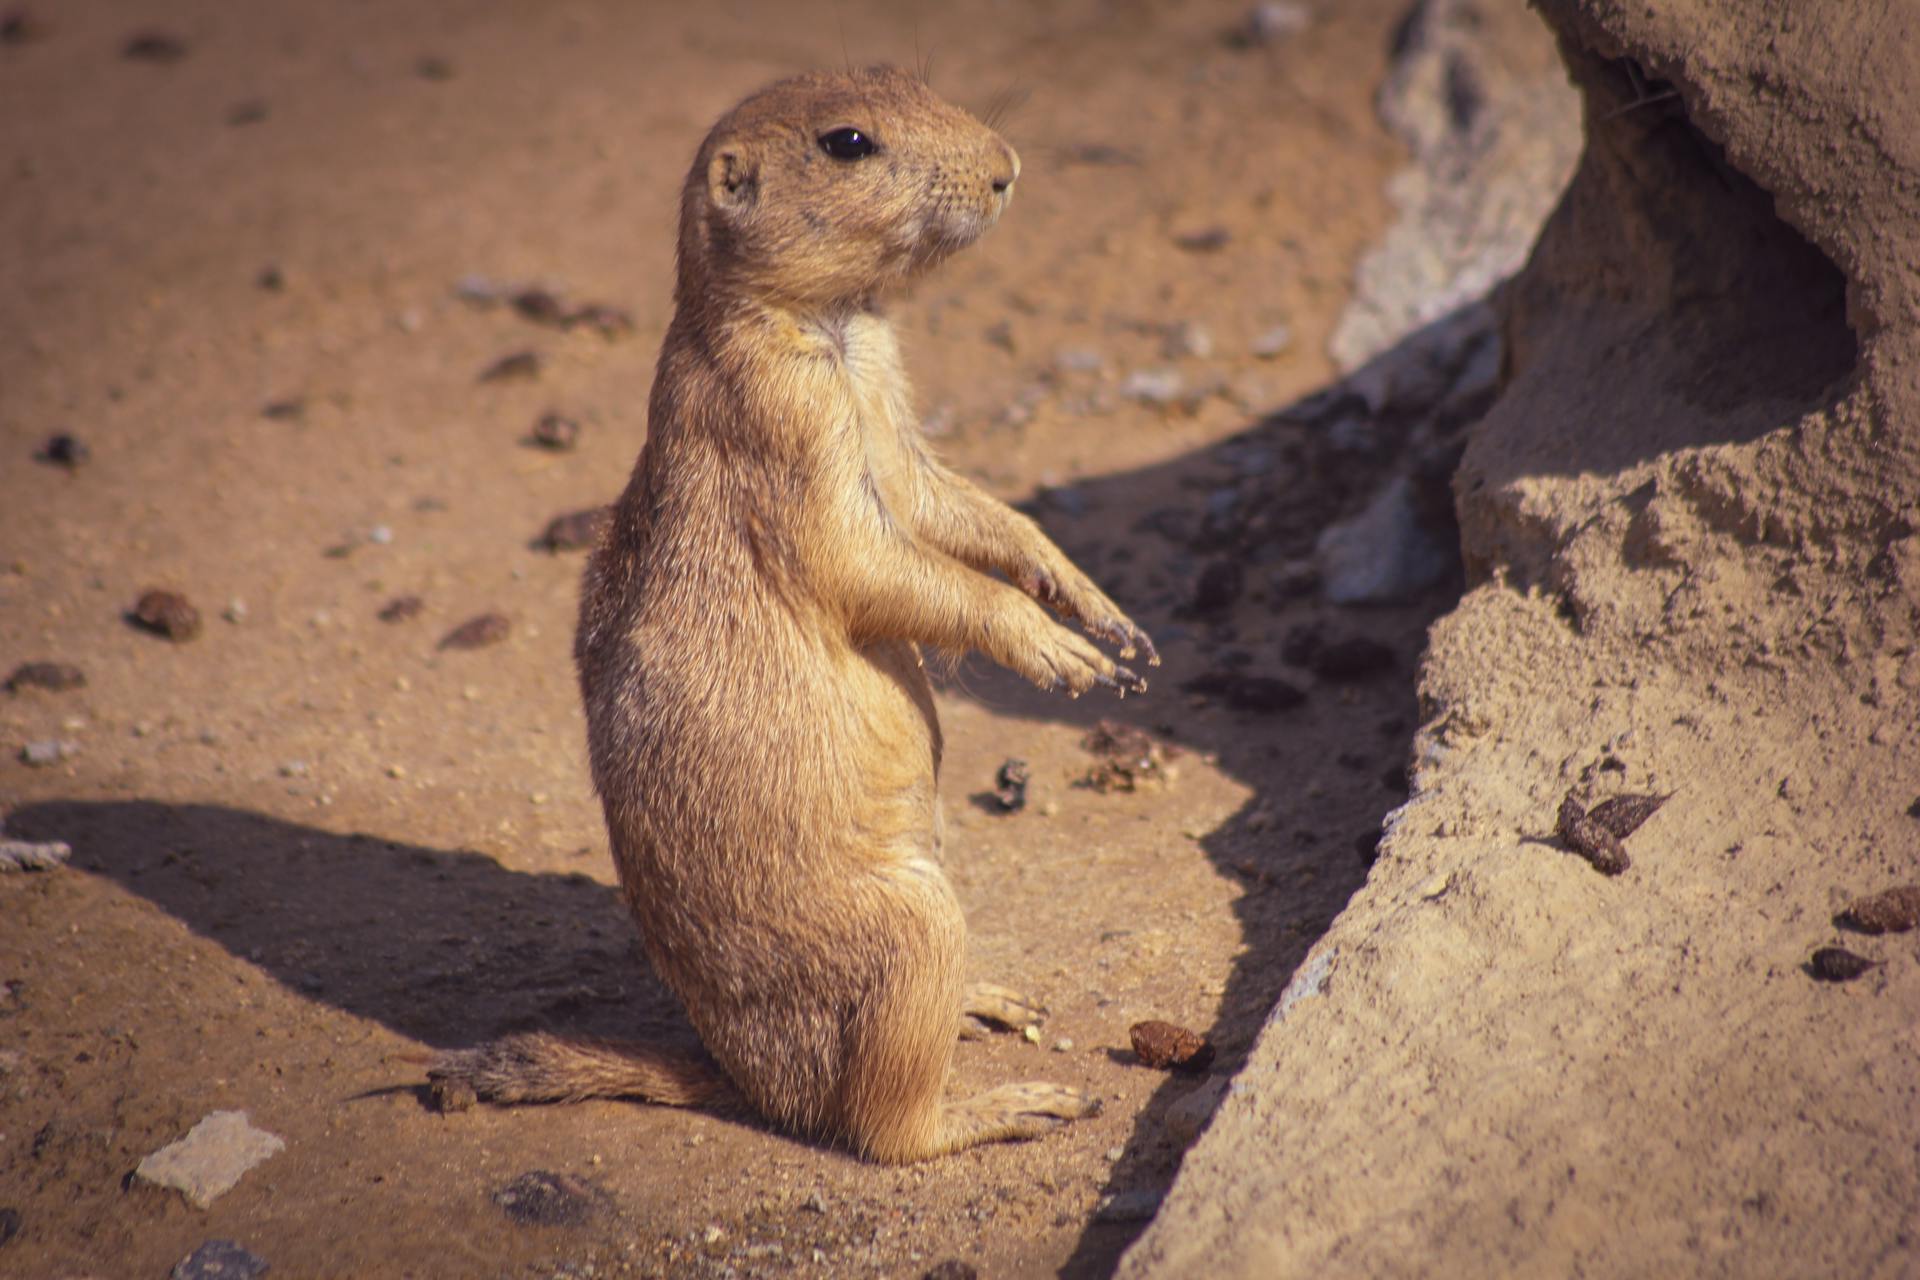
pixel 829 188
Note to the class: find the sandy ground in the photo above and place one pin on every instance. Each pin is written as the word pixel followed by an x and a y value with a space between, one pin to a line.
pixel 308 845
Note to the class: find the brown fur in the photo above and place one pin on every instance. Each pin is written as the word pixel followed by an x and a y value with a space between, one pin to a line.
pixel 763 736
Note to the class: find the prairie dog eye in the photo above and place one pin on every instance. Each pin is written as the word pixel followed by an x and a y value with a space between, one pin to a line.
pixel 847 144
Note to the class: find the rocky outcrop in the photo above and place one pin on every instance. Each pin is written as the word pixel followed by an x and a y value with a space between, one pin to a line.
pixel 1689 527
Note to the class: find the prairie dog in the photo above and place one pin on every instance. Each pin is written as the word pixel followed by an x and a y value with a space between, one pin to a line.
pixel 763 736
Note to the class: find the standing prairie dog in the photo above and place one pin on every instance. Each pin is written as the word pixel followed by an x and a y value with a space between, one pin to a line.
pixel 763 736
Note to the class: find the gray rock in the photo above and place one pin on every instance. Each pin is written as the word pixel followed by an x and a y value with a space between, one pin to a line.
pixel 32 855
pixel 219 1260
pixel 544 1199
pixel 1493 149
pixel 1154 386
pixel 1129 1206
pixel 212 1158
pixel 48 751
pixel 1189 1114
pixel 1384 554
pixel 1273 342
pixel 1188 338
pixel 1273 21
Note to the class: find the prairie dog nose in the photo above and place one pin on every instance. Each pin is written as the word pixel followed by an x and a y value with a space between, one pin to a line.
pixel 1009 170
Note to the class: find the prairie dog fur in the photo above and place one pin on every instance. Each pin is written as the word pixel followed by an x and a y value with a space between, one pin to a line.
pixel 763 737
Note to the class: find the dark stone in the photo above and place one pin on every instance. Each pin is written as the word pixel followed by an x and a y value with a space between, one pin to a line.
pixel 220 1260
pixel 544 1199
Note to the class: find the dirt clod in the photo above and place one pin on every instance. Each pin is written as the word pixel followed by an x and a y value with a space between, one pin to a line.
pixel 478 633
pixel 401 608
pixel 64 451
pixel 556 431
pixel 56 677
pixel 166 613
pixel 1170 1047
pixel 517 366
pixel 1591 840
pixel 1623 814
pixel 1889 911
pixel 1837 964
pixel 1010 786
pixel 574 531
pixel 1128 758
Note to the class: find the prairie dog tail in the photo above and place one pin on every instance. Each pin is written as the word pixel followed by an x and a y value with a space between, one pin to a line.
pixel 537 1067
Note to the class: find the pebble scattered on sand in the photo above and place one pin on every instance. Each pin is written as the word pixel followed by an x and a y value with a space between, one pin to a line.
pixel 556 431
pixel 64 451
pixel 401 608
pixel 46 752
pixel 478 633
pixel 516 366
pixel 1128 1206
pixel 1889 911
pixel 219 1260
pixel 168 614
pixel 1837 964
pixel 55 677
pixel 1170 1047
pixel 545 1199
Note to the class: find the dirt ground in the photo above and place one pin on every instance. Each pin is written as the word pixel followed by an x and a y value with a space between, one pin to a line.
pixel 309 845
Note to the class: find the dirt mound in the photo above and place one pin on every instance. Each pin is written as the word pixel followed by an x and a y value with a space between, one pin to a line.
pixel 1689 526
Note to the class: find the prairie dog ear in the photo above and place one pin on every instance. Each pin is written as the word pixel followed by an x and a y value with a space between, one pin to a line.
pixel 733 180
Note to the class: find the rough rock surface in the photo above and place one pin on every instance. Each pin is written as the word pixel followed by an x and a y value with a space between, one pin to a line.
pixel 1689 526
pixel 212 1158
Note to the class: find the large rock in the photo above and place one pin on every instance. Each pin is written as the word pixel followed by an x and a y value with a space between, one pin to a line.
pixel 1689 523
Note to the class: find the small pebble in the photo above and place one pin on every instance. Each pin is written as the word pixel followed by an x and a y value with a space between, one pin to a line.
pixel 271 278
pixel 951 1269
pixel 401 608
pixel 574 531
pixel 290 409
pixel 1129 1206
pixel 380 535
pixel 556 431
pixel 294 769
pixel 1154 386
pixel 1063 1045
pixel 516 366
pixel 48 752
pixel 478 633
pixel 1030 1033
pixel 432 67
pixel 236 611
pixel 219 1260
pixel 248 111
pixel 56 677
pixel 64 451
pixel 1272 343
pixel 1203 239
pixel 542 1198
pixel 166 613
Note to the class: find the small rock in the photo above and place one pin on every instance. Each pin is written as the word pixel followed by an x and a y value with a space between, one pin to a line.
pixel 1384 554
pixel 380 535
pixel 1129 1206
pixel 432 67
pixel 1188 1116
pixel 1272 343
pixel 1000 334
pixel 212 1158
pixel 271 278
pixel 55 677
pixel 951 1269
pixel 609 322
pixel 1837 964
pixel 814 1203
pixel 1203 239
pixel 539 306
pixel 1267 23
pixel 291 409
pixel 1889 911
pixel 9 1217
pixel 477 633
pixel 219 1260
pixel 154 46
pixel 293 769
pixel 33 855
pixel 401 608
pixel 545 1199
pixel 1010 786
pixel 1063 1045
pixel 1187 340
pixel 236 611
pixel 1127 758
pixel 1167 1046
pixel 574 531
pixel 168 614
pixel 47 752
pixel 556 431
pixel 1154 386
pixel 64 451
pixel 515 366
